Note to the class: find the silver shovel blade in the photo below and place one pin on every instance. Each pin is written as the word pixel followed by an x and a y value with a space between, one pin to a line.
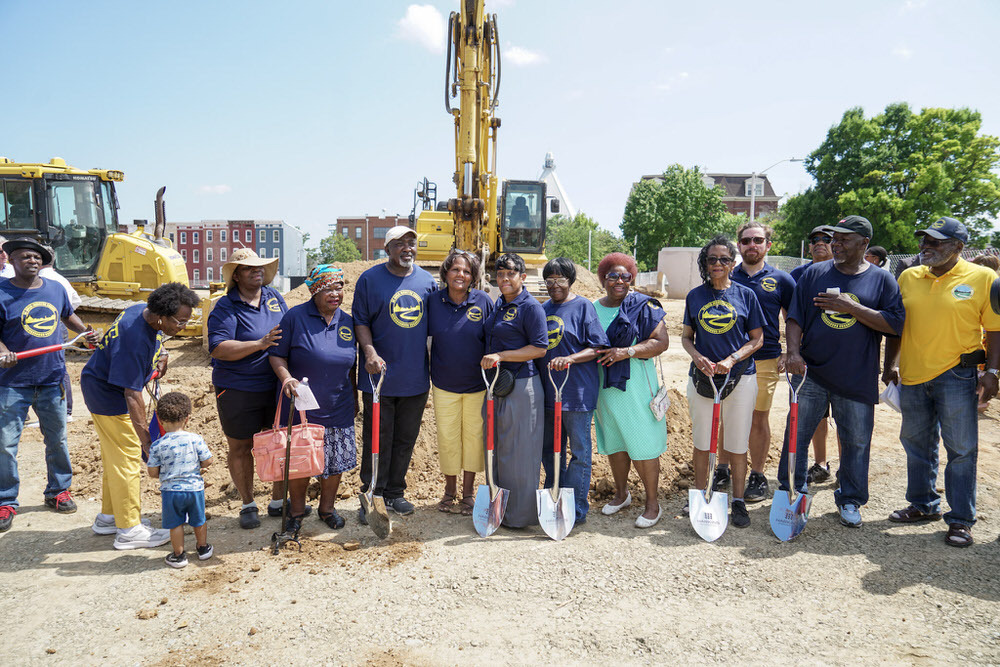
pixel 556 517
pixel 708 518
pixel 376 514
pixel 486 513
pixel 788 517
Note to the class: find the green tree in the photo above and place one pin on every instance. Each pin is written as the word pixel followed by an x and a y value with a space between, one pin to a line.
pixel 679 210
pixel 334 249
pixel 901 170
pixel 568 237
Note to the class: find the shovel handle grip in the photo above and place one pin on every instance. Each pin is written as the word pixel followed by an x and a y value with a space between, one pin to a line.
pixel 714 443
pixel 793 426
pixel 376 424
pixel 489 424
pixel 38 351
pixel 557 428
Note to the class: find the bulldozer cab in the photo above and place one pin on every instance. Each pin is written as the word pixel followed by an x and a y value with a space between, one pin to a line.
pixel 522 216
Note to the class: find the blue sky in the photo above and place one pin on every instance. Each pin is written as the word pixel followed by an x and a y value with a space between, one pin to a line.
pixel 305 111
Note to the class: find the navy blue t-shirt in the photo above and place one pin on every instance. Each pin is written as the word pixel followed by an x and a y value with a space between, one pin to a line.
pixel 722 320
pixel 393 308
pixel 514 325
pixel 458 340
pixel 324 353
pixel 30 319
pixel 773 289
pixel 573 326
pixel 841 353
pixel 796 273
pixel 125 359
pixel 235 319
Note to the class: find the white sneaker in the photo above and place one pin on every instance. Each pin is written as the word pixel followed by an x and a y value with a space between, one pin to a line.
pixel 104 524
pixel 610 509
pixel 141 537
pixel 643 522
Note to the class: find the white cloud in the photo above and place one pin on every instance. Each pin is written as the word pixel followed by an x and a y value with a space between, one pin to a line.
pixel 522 57
pixel 214 189
pixel 425 25
pixel 902 52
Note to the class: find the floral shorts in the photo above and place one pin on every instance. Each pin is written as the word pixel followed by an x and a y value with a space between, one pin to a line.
pixel 340 450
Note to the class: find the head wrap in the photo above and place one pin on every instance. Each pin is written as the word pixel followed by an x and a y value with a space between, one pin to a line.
pixel 322 277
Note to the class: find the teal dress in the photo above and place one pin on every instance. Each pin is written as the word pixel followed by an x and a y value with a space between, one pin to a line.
pixel 623 420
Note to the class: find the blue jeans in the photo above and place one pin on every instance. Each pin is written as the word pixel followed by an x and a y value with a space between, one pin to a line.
pixel 49 403
pixel 855 421
pixel 942 409
pixel 574 474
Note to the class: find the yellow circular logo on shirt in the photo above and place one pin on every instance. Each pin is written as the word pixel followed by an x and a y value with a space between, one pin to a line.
pixel 841 320
pixel 474 314
pixel 406 309
pixel 345 333
pixel 769 284
pixel 717 317
pixel 510 314
pixel 272 305
pixel 39 319
pixel 556 329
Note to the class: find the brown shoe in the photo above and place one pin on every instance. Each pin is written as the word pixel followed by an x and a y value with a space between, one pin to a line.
pixel 958 536
pixel 913 515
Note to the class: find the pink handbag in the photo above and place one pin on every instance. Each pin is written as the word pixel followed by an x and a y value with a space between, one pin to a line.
pixel 306 458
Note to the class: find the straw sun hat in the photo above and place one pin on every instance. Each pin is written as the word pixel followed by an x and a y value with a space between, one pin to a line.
pixel 247 257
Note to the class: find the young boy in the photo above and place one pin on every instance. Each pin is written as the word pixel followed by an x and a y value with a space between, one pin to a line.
pixel 177 459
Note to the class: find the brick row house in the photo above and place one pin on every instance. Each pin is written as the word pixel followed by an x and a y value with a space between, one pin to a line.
pixel 737 190
pixel 368 232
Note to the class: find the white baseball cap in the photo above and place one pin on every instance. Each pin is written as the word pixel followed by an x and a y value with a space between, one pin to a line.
pixel 398 232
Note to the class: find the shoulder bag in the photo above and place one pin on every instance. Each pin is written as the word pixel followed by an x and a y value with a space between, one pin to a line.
pixel 306 458
pixel 660 402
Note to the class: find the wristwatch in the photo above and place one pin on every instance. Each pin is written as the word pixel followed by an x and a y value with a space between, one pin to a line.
pixel 631 351
pixel 995 372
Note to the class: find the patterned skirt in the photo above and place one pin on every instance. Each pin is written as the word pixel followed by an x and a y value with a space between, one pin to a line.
pixel 340 449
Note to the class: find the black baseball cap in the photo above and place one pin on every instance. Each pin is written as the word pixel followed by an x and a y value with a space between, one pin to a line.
pixel 28 244
pixel 946 228
pixel 854 224
pixel 822 229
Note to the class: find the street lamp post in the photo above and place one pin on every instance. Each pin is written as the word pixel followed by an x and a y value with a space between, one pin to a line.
pixel 753 183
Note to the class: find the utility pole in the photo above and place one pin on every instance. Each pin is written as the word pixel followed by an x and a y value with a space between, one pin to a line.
pixel 753 183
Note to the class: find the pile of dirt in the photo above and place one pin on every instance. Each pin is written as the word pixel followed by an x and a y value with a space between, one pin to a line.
pixel 352 271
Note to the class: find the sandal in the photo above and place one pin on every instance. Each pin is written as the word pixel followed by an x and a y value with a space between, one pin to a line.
pixel 913 515
pixel 465 505
pixel 446 503
pixel 332 519
pixel 958 536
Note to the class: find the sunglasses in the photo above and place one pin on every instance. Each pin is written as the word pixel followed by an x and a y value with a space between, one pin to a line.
pixel 929 242
pixel 757 240
pixel 725 261
pixel 624 276
pixel 561 281
pixel 820 239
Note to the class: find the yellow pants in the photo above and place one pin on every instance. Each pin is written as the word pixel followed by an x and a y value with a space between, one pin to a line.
pixel 121 457
pixel 459 430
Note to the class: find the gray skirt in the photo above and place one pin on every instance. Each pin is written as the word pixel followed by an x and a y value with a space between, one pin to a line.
pixel 517 448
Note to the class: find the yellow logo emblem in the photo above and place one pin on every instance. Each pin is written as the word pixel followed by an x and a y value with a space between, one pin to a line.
pixel 769 284
pixel 556 329
pixel 345 333
pixel 717 317
pixel 406 309
pixel 938 224
pixel 272 305
pixel 510 314
pixel 474 314
pixel 40 319
pixel 840 320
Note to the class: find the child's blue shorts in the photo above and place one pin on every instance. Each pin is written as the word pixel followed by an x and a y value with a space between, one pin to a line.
pixel 183 507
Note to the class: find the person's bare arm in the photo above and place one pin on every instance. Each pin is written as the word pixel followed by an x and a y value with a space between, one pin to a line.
pixel 794 363
pixel 154 472
pixel 652 347
pixel 526 353
pixel 373 362
pixel 890 367
pixel 744 351
pixel 234 350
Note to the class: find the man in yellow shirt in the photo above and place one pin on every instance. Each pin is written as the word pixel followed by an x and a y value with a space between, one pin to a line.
pixel 947 302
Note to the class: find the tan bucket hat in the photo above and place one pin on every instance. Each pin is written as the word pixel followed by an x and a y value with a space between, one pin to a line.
pixel 247 257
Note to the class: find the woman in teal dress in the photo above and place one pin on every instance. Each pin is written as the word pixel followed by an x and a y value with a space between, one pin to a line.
pixel 627 432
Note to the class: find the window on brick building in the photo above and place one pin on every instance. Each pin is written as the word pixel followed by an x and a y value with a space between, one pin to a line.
pixel 222 254
pixel 184 237
pixel 343 230
pixel 197 256
pixel 208 256
pixel 357 232
pixel 379 232
pixel 194 237
pixel 184 255
pixel 210 273
pixel 249 236
pixel 197 275
pixel 208 235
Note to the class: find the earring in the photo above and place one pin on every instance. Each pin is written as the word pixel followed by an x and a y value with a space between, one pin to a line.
pixel 159 322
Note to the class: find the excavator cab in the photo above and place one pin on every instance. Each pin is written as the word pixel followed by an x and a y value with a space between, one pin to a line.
pixel 522 216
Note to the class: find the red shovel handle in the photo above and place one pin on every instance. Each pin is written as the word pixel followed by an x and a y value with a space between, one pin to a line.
pixel 557 428
pixel 716 411
pixel 38 351
pixel 793 426
pixel 376 423
pixel 489 424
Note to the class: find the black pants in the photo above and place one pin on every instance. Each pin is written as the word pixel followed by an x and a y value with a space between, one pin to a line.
pixel 401 418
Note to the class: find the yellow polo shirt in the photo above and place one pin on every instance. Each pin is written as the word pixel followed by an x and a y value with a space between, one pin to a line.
pixel 945 318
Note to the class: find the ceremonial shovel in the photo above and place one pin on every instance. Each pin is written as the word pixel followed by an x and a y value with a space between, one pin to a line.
pixel 709 511
pixel 491 500
pixel 556 506
pixel 790 511
pixel 38 351
pixel 374 506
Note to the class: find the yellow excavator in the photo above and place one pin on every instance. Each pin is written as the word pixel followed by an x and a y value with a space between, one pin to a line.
pixel 75 211
pixel 474 220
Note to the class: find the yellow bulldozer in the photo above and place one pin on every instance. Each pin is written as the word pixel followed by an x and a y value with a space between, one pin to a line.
pixel 75 212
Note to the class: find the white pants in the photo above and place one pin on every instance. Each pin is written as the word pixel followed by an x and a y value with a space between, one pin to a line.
pixel 737 414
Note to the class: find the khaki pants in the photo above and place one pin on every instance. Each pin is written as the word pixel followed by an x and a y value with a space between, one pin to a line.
pixel 459 430
pixel 121 456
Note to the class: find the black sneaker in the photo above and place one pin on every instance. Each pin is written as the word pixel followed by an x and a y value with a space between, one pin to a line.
pixel 275 512
pixel 62 503
pixel 205 552
pixel 249 518
pixel 756 488
pixel 6 517
pixel 817 473
pixel 400 506
pixel 721 479
pixel 740 516
pixel 176 560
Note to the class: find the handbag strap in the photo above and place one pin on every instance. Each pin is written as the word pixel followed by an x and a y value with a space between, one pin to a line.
pixel 277 410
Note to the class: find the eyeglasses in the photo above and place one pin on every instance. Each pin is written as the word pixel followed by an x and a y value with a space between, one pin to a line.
pixel 929 242
pixel 561 281
pixel 180 323
pixel 747 240
pixel 820 239
pixel 725 261
pixel 624 276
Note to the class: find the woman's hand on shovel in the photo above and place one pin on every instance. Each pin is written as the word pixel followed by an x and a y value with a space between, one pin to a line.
pixel 560 363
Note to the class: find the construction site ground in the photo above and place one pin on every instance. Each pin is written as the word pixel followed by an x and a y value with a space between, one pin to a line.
pixel 437 593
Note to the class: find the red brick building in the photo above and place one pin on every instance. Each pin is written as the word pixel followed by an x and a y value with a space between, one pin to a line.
pixel 206 246
pixel 368 232
pixel 736 189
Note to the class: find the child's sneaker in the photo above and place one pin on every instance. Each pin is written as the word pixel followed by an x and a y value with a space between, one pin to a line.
pixel 205 552
pixel 177 560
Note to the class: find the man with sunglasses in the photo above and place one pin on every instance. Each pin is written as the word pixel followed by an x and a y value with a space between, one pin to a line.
pixel 839 313
pixel 820 239
pixel 947 302
pixel 773 288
